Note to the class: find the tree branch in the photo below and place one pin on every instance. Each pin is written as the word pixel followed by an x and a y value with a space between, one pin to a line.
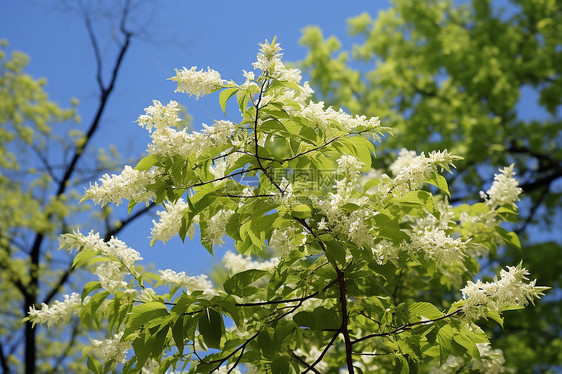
pixel 35 254
pixel 319 359
pixel 4 361
pixel 298 299
pixel 258 158
pixel 406 327
pixel 303 362
pixel 344 320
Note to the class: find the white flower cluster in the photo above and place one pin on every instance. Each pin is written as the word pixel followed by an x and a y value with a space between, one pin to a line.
pixel 198 283
pixel 110 273
pixel 111 276
pixel 491 362
pixel 169 223
pixel 113 248
pixel 269 61
pixel 436 245
pixel 216 229
pixel 505 189
pixel 268 57
pixel 170 142
pixel 412 172
pixel 130 185
pixel 250 77
pixel 385 251
pixel 198 83
pixel 285 241
pixel 159 116
pixel 351 166
pixel 111 349
pixel 58 312
pixel 405 158
pixel 147 295
pixel 219 167
pixel 413 176
pixel 446 219
pixel 351 224
pixel 236 263
pixel 507 291
pixel 325 119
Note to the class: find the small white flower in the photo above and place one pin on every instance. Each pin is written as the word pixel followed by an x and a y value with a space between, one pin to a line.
pixel 322 225
pixel 325 119
pixel 236 263
pixel 158 116
pixel 58 311
pixel 509 290
pixel 113 348
pixel 216 229
pixel 170 221
pixel 114 249
pixel 197 83
pixel 405 158
pixel 111 276
pixel 198 283
pixel 436 245
pixel 504 191
pixel 283 241
pixel 130 185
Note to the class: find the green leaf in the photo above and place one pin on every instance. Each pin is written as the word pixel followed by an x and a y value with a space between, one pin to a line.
pixel 495 316
pixel 444 337
pixel 89 288
pixel 143 314
pixel 233 226
pixel 467 343
pixel 280 365
pixel 88 312
pixel 350 207
pixel 509 237
pixel 371 183
pixel 238 283
pixel 83 257
pixel 94 366
pixel 178 333
pixel 439 181
pixel 267 342
pixel 319 319
pixel 302 211
pixel 425 309
pixel 363 148
pixel 242 100
pixel 147 163
pixel 422 198
pixel 225 95
pixel 401 366
pixel 335 252
pixel 157 343
pixel 389 228
pixel 211 327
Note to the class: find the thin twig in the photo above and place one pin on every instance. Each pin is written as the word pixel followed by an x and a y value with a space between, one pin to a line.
pixel 406 327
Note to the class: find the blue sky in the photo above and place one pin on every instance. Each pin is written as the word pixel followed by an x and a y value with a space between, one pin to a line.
pixel 221 34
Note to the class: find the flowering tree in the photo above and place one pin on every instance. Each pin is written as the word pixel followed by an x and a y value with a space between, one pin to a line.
pixel 291 182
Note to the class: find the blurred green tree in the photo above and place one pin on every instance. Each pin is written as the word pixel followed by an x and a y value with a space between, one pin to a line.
pixel 46 155
pixel 460 77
